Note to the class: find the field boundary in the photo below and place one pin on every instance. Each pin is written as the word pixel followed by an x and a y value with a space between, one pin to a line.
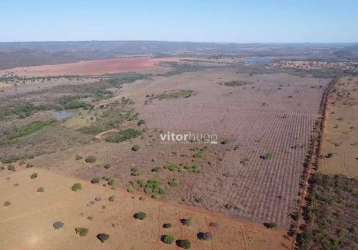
pixel 311 166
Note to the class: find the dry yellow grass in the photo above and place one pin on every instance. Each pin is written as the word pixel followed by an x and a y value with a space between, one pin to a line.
pixel 340 137
pixel 27 222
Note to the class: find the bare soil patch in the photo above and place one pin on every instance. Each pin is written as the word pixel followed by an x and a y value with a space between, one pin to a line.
pixel 82 216
pixel 88 68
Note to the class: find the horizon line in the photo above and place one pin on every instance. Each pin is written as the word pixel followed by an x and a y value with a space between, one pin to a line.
pixel 174 41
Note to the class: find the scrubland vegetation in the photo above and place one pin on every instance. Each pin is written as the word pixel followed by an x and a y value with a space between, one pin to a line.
pixel 332 207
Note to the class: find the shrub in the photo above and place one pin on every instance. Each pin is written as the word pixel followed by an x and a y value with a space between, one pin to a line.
pixel 81 231
pixel 76 187
pixel 135 148
pixel 140 215
pixel 267 156
pixel 183 244
pixel 153 187
pixel 90 159
pixel 102 237
pixel 172 167
pixel 11 168
pixel 58 225
pixel 173 182
pixel 95 180
pixel 167 239
pixel 78 157
pixel 193 168
pixel 204 236
pixel 140 122
pixel 167 225
pixel 7 203
pixel 107 166
pixel 270 224
pixel 111 198
pixel 186 222
pixel 40 190
pixel 111 182
pixel 155 169
pixel 34 176
pixel 134 172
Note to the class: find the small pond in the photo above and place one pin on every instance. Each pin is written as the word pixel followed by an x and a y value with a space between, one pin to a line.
pixel 63 115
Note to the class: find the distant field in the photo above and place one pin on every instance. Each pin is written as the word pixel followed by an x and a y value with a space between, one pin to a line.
pixel 88 68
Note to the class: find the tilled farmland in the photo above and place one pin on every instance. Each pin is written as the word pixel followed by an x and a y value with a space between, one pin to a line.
pixel 266 127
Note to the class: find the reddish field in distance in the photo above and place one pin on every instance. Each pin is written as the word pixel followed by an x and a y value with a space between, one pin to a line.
pixel 94 67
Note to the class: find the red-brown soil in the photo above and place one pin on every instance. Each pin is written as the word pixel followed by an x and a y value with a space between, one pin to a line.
pixel 89 68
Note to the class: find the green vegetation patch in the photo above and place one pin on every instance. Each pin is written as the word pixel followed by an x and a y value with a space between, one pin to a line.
pixel 236 83
pixel 172 167
pixel 91 159
pixel 21 110
pixel 167 239
pixel 173 182
pixel 29 129
pixel 111 116
pixel 140 215
pixel 193 168
pixel 151 187
pixel 76 187
pixel 154 188
pixel 118 81
pixel 332 206
pixel 74 102
pixel 185 244
pixel 174 94
pixel 124 135
pixel 81 231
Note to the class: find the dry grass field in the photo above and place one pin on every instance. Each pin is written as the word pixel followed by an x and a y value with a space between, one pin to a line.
pixel 266 117
pixel 104 131
pixel 340 143
pixel 26 221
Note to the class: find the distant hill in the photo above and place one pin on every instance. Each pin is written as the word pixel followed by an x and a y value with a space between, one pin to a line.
pixel 15 54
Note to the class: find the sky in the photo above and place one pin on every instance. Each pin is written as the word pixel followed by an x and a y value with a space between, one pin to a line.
pixel 261 21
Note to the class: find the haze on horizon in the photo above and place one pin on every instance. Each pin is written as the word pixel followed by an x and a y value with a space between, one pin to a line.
pixel 269 21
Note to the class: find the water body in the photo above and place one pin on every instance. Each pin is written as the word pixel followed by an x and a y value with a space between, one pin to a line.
pixel 62 115
pixel 258 60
